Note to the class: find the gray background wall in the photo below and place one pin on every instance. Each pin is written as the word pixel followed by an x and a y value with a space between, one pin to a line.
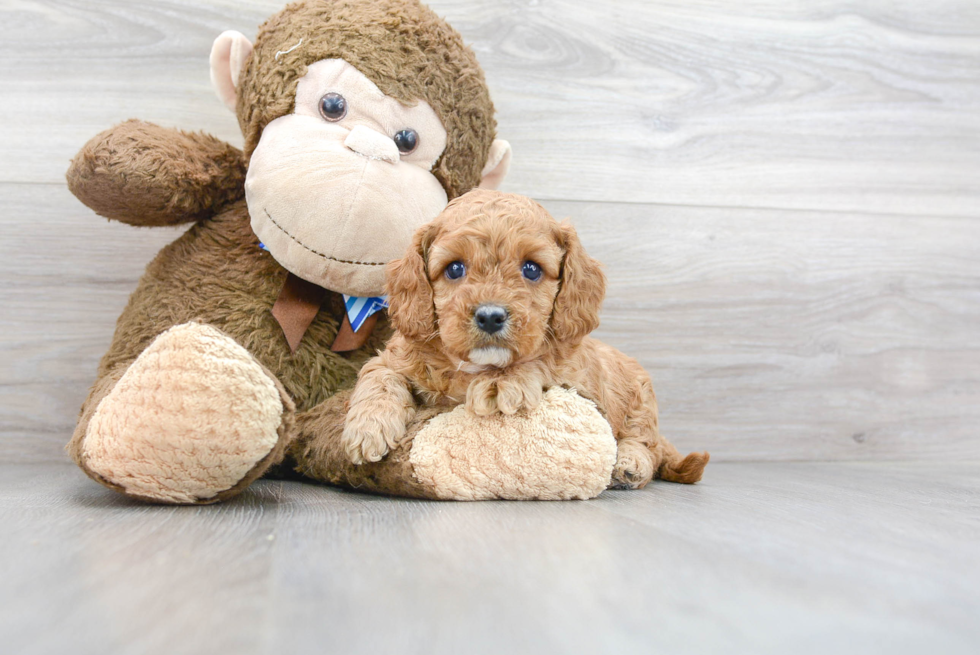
pixel 786 196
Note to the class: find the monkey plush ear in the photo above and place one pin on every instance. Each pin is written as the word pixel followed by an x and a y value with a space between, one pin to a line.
pixel 498 162
pixel 228 55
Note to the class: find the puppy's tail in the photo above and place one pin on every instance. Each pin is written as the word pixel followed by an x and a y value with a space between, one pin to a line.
pixel 686 470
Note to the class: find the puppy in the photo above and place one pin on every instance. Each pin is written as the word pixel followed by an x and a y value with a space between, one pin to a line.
pixel 492 305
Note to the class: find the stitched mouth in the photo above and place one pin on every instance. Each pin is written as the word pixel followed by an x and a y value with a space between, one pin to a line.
pixel 315 252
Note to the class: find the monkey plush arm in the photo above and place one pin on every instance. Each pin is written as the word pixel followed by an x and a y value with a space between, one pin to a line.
pixel 143 174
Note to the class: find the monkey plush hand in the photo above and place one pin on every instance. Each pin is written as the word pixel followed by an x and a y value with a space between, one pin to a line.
pixel 362 119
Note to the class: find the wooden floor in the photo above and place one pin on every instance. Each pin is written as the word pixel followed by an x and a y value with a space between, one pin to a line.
pixel 787 200
pixel 759 558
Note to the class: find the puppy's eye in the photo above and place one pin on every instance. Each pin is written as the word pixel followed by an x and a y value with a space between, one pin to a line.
pixel 407 141
pixel 531 271
pixel 455 270
pixel 333 107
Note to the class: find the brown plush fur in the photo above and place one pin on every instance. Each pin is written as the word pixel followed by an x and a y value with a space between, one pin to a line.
pixel 319 453
pixel 215 273
pixel 142 174
pixel 400 45
pixel 543 344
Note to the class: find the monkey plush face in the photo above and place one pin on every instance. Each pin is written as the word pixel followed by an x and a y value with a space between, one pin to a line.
pixel 362 119
pixel 336 189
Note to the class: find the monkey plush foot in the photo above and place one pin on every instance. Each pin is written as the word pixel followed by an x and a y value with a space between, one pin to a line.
pixel 562 449
pixel 194 419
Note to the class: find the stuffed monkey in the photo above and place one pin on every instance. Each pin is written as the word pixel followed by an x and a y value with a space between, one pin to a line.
pixel 361 119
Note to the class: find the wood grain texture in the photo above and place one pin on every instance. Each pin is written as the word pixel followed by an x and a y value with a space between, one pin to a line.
pixel 758 558
pixel 842 333
pixel 67 275
pixel 841 323
pixel 770 335
pixel 869 106
pixel 797 335
pixel 873 106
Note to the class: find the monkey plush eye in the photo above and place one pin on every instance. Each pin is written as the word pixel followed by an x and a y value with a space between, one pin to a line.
pixel 407 141
pixel 333 107
pixel 531 271
pixel 455 270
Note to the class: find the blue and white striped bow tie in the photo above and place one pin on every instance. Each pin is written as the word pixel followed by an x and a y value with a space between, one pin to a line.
pixel 358 309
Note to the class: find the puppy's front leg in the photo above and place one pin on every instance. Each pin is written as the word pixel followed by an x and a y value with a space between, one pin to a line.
pixel 508 391
pixel 380 408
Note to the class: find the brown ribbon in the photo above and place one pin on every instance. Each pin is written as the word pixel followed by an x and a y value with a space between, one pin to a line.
pixel 348 340
pixel 296 307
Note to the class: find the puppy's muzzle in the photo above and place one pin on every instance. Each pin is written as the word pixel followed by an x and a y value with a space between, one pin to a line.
pixel 491 319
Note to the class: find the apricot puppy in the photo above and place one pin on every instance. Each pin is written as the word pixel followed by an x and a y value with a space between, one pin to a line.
pixel 492 305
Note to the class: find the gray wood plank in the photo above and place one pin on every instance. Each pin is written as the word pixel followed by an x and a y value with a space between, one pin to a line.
pixel 868 106
pixel 770 335
pixel 92 572
pixel 797 335
pixel 762 558
pixel 67 275
pixel 873 106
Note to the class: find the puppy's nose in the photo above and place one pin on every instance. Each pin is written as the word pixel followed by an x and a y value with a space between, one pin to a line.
pixel 490 318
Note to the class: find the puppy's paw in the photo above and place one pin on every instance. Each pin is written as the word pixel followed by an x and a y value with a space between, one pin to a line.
pixel 371 430
pixel 634 466
pixel 514 394
pixel 481 397
pixel 363 446
pixel 507 395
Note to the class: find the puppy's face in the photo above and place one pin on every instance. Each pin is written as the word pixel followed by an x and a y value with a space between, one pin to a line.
pixel 497 276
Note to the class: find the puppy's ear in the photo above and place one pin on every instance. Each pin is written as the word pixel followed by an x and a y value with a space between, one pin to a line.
pixel 583 286
pixel 409 292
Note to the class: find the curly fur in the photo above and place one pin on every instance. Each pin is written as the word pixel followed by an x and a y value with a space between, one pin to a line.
pixel 439 355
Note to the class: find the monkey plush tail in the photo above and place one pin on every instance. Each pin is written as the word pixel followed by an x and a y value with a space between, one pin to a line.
pixel 686 470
